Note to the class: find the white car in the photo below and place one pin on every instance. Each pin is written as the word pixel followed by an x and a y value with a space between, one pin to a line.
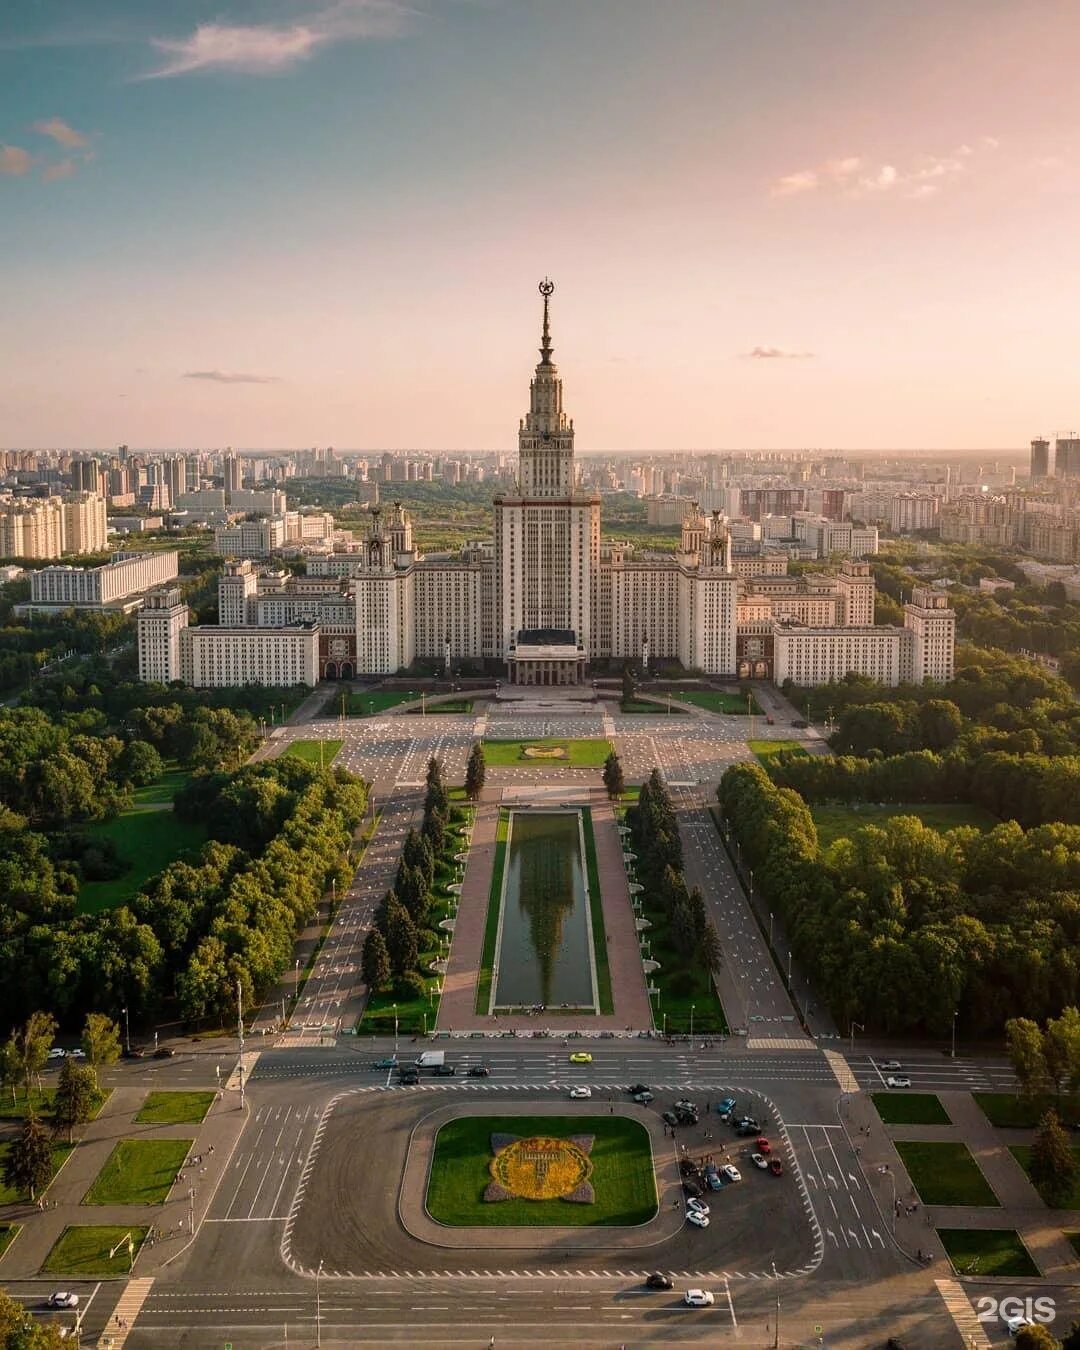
pixel 76 1054
pixel 696 1206
pixel 730 1173
pixel 1017 1324
pixel 57 1053
pixel 698 1219
pixel 890 1064
pixel 760 1160
pixel 580 1093
pixel 898 1081
pixel 698 1298
pixel 62 1299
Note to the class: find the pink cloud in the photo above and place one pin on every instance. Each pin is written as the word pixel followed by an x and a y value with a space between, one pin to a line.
pixel 15 160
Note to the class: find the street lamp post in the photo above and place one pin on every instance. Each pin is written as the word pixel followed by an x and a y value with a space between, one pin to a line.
pixel 776 1330
pixel 789 966
pixel 240 1034
pixel 318 1306
pixel 127 1031
pixel 692 1023
pixel 191 1211
pixel 770 927
pixel 665 1026
pixel 860 1026
pixel 952 1052
pixel 395 1030
pixel 886 1170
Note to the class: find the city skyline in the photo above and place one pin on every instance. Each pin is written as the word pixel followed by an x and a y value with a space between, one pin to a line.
pixel 285 224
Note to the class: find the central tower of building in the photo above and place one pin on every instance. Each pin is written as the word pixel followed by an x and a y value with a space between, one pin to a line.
pixel 547 541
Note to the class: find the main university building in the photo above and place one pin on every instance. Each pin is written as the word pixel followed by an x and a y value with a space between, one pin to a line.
pixel 543 598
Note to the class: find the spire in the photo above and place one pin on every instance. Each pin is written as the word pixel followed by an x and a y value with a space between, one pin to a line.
pixel 546 288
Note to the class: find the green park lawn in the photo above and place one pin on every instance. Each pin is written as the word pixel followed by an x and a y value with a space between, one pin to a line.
pixel 641 705
pixel 622 1174
pixel 720 701
pixel 838 822
pixel 148 840
pixel 39 1102
pixel 987 1251
pixel 1009 1111
pixel 8 1233
pixel 1022 1154
pixel 579 753
pixel 315 752
pixel 369 703
pixel 766 750
pixel 910 1108
pixel 138 1172
pixel 164 790
pixel 175 1108
pixel 83 1250
pixel 945 1174
pixel 9 1196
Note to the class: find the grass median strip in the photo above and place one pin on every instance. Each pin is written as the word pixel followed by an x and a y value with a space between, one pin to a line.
pixel 596 914
pixel 945 1174
pixel 580 753
pixel 138 1172
pixel 175 1108
pixel 1008 1111
pixel 491 923
pixel 910 1108
pixel 84 1250
pixel 987 1251
pixel 315 752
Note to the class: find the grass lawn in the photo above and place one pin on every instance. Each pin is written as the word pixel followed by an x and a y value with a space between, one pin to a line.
pixel 836 822
pixel 369 703
pixel 1073 1240
pixel 452 705
pixel 315 752
pixel 84 1251
pixel 1022 1154
pixel 987 1251
pixel 491 923
pixel 716 700
pixel 138 1172
pixel 1012 1112
pixel 165 789
pixel 596 914
pixel 622 1174
pixel 580 753
pixel 945 1174
pixel 641 705
pixel 910 1108
pixel 8 1196
pixel 8 1233
pixel 766 750
pixel 148 841
pixel 41 1102
pixel 175 1108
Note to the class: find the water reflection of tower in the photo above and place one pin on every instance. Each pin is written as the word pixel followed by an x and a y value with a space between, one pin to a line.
pixel 546 898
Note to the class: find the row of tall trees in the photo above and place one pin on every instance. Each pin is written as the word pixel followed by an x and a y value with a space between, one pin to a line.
pixel 901 926
pixel 393 948
pixel 654 829
pixel 280 831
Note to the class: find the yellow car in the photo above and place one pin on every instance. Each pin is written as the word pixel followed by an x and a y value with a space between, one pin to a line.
pixel 581 1057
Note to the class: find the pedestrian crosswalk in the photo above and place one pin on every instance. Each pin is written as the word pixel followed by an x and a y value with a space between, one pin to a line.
pixel 840 1067
pixel 124 1314
pixel 962 1314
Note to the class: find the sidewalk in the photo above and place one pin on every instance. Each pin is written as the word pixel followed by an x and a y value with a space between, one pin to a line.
pixel 214 1140
pixel 1040 1228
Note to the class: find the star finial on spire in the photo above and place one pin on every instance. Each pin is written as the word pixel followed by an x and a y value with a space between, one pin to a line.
pixel 546 288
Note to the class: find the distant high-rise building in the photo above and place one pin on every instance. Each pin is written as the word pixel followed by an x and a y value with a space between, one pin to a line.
pixel 1067 457
pixel 233 469
pixel 1041 461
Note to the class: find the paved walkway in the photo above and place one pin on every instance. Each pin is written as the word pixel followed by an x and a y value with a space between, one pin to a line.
pixel 213 1142
pixel 1041 1228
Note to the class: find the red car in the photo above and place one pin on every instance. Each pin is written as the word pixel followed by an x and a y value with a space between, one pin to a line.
pixel 776 1167
pixel 763 1145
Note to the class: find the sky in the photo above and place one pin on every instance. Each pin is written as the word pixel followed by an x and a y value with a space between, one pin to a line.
pixel 273 223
